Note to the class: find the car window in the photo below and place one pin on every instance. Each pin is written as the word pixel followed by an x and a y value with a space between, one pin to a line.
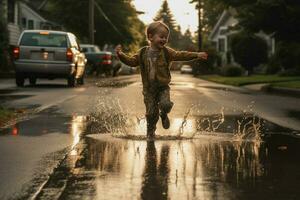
pixel 85 49
pixel 44 39
pixel 96 49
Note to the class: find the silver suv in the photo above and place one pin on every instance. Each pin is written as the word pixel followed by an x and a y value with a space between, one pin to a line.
pixel 48 54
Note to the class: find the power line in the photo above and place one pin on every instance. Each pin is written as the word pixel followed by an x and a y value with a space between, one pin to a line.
pixel 108 20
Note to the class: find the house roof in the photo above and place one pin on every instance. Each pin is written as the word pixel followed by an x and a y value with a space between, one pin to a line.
pixel 32 11
pixel 225 15
pixel 31 7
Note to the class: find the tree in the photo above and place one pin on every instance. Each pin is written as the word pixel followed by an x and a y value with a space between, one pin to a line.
pixel 186 42
pixel 211 11
pixel 4 55
pixel 115 22
pixel 165 15
pixel 248 50
pixel 277 17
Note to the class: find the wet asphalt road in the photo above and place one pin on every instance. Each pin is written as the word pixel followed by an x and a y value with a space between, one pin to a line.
pixel 89 143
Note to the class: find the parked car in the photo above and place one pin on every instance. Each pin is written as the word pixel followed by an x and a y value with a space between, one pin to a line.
pixel 186 69
pixel 98 61
pixel 48 54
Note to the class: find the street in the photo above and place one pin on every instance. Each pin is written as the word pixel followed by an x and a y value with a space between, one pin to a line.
pixel 89 142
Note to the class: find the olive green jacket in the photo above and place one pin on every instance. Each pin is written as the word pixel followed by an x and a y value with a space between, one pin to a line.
pixel 163 75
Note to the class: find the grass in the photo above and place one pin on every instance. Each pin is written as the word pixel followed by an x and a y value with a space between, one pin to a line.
pixel 287 81
pixel 5 115
pixel 289 84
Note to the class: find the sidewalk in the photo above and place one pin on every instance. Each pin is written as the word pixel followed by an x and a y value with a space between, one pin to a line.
pixel 273 90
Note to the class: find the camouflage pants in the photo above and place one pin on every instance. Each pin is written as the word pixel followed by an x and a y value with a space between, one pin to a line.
pixel 156 99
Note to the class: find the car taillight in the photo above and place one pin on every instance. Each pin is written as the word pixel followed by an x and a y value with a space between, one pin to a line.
pixel 16 52
pixel 106 62
pixel 69 55
pixel 107 57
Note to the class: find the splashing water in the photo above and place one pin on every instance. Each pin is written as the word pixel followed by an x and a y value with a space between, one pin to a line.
pixel 110 117
pixel 249 127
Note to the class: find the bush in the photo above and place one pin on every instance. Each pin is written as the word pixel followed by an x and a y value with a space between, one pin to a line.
pixel 232 70
pixel 208 66
pixel 290 72
pixel 273 66
pixel 288 55
pixel 4 50
pixel 248 50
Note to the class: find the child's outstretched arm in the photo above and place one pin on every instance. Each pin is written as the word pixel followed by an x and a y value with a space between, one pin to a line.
pixel 186 55
pixel 132 61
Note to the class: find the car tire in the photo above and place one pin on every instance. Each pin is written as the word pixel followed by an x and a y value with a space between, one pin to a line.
pixel 32 81
pixel 71 80
pixel 20 80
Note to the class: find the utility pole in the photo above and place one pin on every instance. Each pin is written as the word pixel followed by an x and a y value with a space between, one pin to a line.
pixel 200 25
pixel 91 21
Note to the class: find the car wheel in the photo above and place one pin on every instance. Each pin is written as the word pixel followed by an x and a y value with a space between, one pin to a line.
pixel 20 80
pixel 32 81
pixel 71 80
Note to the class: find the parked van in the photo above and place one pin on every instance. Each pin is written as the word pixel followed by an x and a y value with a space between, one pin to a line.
pixel 48 54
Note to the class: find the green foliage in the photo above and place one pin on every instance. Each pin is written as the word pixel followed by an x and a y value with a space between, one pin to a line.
pixel 288 55
pixel 232 71
pixel 212 10
pixel 165 15
pixel 278 17
pixel 73 15
pixel 245 80
pixel 186 42
pixel 248 50
pixel 207 66
pixel 273 66
pixel 4 46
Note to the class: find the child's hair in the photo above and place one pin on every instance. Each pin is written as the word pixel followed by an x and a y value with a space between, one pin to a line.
pixel 153 27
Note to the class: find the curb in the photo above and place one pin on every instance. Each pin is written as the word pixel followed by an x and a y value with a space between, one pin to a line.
pixel 279 90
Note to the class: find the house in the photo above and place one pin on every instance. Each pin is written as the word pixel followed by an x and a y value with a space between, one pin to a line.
pixel 222 31
pixel 31 19
pixel 11 15
pixel 20 16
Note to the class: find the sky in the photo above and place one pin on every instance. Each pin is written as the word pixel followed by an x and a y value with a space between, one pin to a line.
pixel 184 13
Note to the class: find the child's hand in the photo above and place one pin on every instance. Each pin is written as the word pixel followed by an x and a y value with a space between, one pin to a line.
pixel 118 49
pixel 203 55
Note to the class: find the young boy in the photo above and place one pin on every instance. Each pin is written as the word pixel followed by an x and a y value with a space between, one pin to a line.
pixel 154 64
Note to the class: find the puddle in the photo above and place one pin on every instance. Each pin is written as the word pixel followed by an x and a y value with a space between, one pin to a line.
pixel 7 91
pixel 46 122
pixel 185 169
pixel 216 156
pixel 241 127
pixel 5 98
pixel 113 83
pixel 294 114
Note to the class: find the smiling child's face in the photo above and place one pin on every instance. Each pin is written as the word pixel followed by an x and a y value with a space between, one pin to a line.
pixel 160 38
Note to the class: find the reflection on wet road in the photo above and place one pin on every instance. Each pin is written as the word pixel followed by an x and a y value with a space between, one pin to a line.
pixel 209 167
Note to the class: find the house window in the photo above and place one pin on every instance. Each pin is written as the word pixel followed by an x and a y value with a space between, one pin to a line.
pixel 11 11
pixel 30 24
pixel 221 45
pixel 24 22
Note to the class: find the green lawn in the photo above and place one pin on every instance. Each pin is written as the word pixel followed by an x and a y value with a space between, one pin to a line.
pixel 291 81
pixel 289 84
pixel 5 115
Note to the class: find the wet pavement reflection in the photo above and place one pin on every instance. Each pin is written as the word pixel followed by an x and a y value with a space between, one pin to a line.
pixel 204 168
pixel 200 157
pixel 217 156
